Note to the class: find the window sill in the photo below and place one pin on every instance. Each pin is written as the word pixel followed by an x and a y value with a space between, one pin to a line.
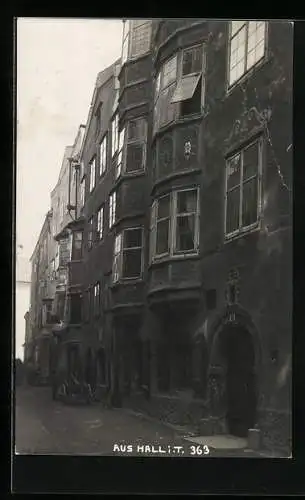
pixel 248 74
pixel 174 175
pixel 133 59
pixel 173 258
pixel 242 232
pixel 127 281
pixel 178 122
pixel 128 175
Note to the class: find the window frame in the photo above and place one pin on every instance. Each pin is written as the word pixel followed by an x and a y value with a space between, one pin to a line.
pixel 120 153
pixel 92 178
pixel 138 141
pixel 127 53
pixel 246 70
pixel 82 192
pixel 120 255
pixel 186 214
pixel 179 55
pixel 245 229
pixel 173 215
pixel 114 135
pixel 100 223
pixel 201 74
pixel 112 211
pixel 74 250
pixel 96 289
pixel 161 91
pixel 90 233
pixel 103 152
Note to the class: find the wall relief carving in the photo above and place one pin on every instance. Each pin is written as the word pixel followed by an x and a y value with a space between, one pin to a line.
pixel 249 122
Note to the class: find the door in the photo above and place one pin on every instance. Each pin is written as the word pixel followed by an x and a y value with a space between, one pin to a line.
pixel 240 381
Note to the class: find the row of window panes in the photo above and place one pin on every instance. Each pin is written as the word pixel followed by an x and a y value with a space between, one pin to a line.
pixel 99 231
pixel 132 147
pixel 128 254
pixel 179 85
pixel 136 38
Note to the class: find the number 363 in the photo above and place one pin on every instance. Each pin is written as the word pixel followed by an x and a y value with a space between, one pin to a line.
pixel 199 450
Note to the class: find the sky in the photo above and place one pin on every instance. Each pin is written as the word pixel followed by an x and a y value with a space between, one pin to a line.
pixel 57 64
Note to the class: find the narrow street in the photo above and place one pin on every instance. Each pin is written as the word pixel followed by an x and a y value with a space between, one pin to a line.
pixel 44 426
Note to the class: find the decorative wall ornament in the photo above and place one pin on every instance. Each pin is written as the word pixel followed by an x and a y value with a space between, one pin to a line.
pixel 249 121
pixel 232 288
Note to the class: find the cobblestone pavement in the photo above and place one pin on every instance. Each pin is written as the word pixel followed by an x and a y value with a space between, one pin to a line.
pixel 44 426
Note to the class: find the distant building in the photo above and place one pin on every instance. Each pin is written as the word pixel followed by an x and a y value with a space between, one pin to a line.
pixel 22 296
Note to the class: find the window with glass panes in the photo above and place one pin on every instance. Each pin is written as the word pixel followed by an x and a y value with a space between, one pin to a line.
pixel 82 193
pixel 247 47
pixel 112 209
pixel 164 90
pixel 115 134
pixel 119 161
pixel 179 86
pixel 128 254
pixel 96 299
pixel 100 223
pixel 175 224
pixel 136 38
pixel 189 90
pixel 92 174
pixel 116 87
pixel 77 245
pixel 103 155
pixel 140 37
pixel 136 145
pixel 243 171
pixel 90 232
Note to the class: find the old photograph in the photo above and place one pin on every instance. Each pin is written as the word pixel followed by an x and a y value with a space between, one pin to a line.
pixel 153 312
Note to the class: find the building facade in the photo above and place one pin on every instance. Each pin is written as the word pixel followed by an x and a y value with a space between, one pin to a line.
pixel 22 298
pixel 38 326
pixel 179 284
pixel 220 177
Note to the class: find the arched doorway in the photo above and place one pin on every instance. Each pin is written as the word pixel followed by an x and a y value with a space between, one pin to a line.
pixel 232 371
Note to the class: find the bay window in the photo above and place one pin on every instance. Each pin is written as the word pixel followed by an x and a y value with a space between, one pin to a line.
pixel 136 38
pixel 100 223
pixel 243 174
pixel 179 86
pixel 175 224
pixel 103 155
pixel 112 209
pixel 92 174
pixel 247 47
pixel 77 245
pixel 128 254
